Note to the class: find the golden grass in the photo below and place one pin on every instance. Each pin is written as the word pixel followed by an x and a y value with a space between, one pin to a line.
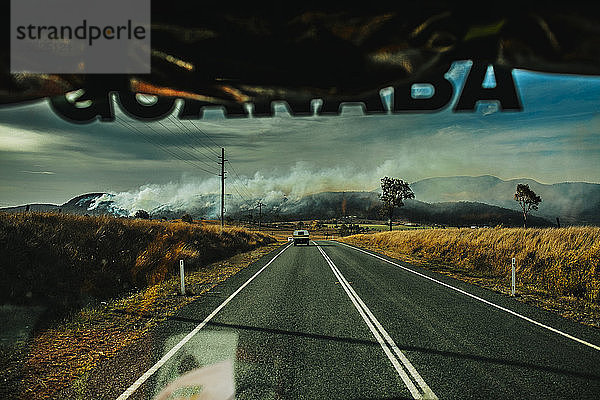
pixel 63 357
pixel 68 258
pixel 69 263
pixel 560 261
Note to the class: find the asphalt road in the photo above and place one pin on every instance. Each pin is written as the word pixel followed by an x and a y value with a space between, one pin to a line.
pixel 328 321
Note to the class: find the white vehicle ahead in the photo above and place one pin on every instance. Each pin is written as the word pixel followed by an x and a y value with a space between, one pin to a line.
pixel 301 236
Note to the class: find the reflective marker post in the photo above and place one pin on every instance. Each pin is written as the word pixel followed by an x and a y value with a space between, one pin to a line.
pixel 181 275
pixel 513 284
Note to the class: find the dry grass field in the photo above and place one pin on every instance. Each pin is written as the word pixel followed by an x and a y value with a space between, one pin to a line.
pixel 68 264
pixel 559 261
pixel 69 259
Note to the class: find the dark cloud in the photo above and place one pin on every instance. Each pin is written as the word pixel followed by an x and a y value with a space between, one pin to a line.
pixel 555 138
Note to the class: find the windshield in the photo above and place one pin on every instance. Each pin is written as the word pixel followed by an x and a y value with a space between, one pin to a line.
pixel 297 201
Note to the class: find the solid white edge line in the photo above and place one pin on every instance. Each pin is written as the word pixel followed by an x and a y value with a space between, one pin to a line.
pixel 516 314
pixel 183 341
pixel 370 324
pixel 413 371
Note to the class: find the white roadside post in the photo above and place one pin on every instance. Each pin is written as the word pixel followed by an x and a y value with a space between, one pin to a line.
pixel 182 276
pixel 513 280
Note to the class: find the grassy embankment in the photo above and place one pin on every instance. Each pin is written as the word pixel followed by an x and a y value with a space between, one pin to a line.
pixel 104 282
pixel 558 268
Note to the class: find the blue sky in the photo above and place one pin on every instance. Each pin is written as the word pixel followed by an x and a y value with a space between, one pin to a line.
pixel 555 138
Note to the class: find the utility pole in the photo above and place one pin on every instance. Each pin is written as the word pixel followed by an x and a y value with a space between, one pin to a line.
pixel 260 204
pixel 222 187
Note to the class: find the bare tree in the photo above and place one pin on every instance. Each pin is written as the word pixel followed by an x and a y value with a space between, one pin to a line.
pixel 393 193
pixel 527 199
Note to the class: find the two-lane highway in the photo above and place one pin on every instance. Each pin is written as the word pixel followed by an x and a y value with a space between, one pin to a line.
pixel 333 321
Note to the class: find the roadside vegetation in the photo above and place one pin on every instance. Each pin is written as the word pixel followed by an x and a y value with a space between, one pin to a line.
pixel 105 283
pixel 70 260
pixel 554 261
pixel 61 361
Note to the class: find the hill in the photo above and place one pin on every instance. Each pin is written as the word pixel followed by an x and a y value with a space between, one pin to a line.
pixel 455 201
pixel 574 202
pixel 77 205
pixel 325 205
pixel 329 205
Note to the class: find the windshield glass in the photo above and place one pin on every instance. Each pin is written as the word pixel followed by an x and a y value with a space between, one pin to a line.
pixel 297 201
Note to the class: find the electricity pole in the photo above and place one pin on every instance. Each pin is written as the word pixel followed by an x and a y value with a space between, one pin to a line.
pixel 260 204
pixel 222 175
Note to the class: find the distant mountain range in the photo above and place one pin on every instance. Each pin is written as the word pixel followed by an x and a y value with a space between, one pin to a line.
pixel 328 205
pixel 574 202
pixel 453 201
pixel 77 205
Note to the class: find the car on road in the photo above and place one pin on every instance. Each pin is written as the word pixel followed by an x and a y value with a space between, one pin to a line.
pixel 301 236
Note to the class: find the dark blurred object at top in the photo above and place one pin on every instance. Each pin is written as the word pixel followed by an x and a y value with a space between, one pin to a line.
pixel 240 53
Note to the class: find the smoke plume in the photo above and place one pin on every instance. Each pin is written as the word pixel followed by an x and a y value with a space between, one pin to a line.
pixel 201 197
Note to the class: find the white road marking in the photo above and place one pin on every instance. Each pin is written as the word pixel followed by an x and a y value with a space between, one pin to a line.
pixel 383 338
pixel 516 314
pixel 186 339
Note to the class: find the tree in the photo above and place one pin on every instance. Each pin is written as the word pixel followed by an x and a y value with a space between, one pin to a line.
pixel 527 199
pixel 187 218
pixel 143 214
pixel 393 193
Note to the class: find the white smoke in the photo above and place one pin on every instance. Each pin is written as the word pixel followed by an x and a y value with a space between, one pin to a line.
pixel 173 196
pixel 202 196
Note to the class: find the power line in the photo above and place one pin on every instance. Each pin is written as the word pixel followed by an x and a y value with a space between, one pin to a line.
pixel 235 172
pixel 245 187
pixel 176 136
pixel 204 133
pixel 192 135
pixel 165 148
pixel 240 187
pixel 188 143
pixel 179 147
pixel 162 147
pixel 260 204
pixel 243 197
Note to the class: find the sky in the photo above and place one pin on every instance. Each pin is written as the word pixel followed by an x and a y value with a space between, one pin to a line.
pixel 556 138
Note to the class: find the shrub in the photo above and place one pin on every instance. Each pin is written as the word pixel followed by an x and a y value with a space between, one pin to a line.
pixel 143 214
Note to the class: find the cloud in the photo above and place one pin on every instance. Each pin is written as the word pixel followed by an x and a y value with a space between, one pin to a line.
pixel 555 138
pixel 19 140
pixel 39 172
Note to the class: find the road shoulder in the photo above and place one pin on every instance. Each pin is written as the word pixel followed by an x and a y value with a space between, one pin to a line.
pixel 569 307
pixel 100 349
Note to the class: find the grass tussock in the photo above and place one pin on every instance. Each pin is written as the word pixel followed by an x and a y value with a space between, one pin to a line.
pixel 69 260
pixel 559 261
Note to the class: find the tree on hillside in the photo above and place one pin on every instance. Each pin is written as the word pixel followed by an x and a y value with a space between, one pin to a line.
pixel 143 214
pixel 527 199
pixel 393 193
